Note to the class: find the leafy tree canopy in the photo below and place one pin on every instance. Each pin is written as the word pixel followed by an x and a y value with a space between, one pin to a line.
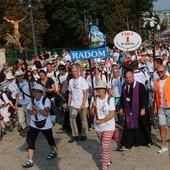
pixel 60 23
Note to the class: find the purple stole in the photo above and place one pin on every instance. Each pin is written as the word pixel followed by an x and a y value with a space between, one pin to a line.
pixel 132 114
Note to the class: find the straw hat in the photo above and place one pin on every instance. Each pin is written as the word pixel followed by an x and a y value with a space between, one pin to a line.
pixel 100 85
pixel 9 76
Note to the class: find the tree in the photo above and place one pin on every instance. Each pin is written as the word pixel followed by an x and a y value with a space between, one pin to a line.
pixel 164 24
pixel 60 23
pixel 66 18
pixel 135 9
pixel 12 10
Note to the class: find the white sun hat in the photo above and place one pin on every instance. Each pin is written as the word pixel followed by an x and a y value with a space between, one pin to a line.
pixel 9 76
pixel 38 87
pixel 33 68
pixel 114 63
pixel 100 85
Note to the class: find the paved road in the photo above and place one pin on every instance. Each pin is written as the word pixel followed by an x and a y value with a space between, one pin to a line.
pixel 80 155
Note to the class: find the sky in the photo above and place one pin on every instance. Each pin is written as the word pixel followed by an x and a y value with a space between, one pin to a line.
pixel 162 5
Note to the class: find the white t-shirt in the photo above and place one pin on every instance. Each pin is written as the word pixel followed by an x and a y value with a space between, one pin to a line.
pixel 67 57
pixel 140 77
pixel 62 78
pixel 23 99
pixel 4 110
pixel 76 87
pixel 150 66
pixel 116 86
pixel 11 87
pixel 39 103
pixel 36 76
pixel 103 109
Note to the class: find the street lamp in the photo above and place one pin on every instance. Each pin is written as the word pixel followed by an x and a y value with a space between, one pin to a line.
pixel 30 7
pixel 151 23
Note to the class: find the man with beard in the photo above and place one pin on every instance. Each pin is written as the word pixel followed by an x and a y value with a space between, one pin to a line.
pixel 134 101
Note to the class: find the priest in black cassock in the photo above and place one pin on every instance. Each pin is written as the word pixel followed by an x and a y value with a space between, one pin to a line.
pixel 134 102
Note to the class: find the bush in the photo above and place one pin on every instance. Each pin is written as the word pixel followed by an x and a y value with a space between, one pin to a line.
pixel 11 61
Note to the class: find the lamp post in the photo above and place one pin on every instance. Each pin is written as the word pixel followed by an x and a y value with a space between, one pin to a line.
pixel 151 23
pixel 30 7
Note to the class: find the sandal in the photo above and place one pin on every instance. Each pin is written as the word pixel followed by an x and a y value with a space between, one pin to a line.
pixel 28 164
pixel 51 155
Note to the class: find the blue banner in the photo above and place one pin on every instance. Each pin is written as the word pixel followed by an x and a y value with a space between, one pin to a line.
pixel 89 54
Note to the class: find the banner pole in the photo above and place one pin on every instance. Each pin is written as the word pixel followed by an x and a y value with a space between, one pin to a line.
pixel 93 92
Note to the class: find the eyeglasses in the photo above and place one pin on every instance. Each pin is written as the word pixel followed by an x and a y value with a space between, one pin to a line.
pixel 160 72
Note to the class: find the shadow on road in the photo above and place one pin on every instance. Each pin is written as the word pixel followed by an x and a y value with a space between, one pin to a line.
pixel 41 151
pixel 92 147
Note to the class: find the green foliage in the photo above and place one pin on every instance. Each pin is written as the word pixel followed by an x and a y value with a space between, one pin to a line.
pixel 66 18
pixel 10 60
pixel 164 24
pixel 13 11
pixel 61 22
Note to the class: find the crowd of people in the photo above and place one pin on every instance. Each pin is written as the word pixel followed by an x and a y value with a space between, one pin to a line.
pixel 130 89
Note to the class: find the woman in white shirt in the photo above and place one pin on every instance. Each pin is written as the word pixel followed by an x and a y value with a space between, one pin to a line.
pixel 104 122
pixel 40 121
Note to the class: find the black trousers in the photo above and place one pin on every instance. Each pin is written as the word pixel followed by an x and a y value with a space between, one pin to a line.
pixel 140 136
pixel 33 133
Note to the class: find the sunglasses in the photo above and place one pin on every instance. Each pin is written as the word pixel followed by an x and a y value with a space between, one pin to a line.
pixel 160 72
pixel 19 76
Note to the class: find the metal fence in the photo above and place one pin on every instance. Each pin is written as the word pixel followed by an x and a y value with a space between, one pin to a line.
pixel 14 55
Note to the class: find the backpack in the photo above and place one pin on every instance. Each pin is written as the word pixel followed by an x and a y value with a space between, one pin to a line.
pixel 55 74
pixel 43 102
pixel 44 99
pixel 1 97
